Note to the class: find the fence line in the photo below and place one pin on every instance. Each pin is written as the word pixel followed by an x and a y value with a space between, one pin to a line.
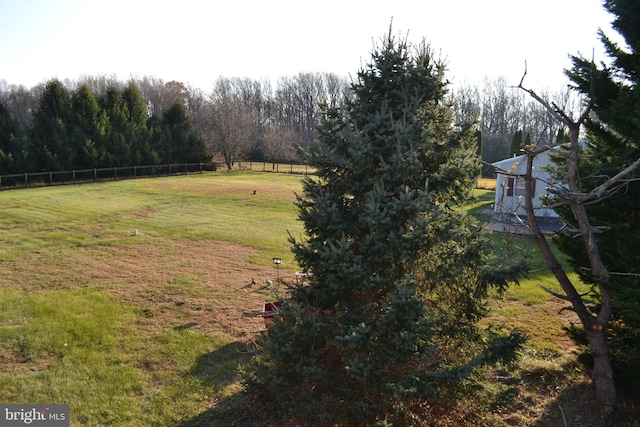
pixel 41 179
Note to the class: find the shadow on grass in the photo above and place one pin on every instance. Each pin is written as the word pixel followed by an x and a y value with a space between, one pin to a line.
pixel 574 402
pixel 545 396
pixel 574 406
pixel 221 368
pixel 237 410
pixel 577 406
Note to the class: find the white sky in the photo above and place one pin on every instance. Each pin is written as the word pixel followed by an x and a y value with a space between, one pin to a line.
pixel 196 41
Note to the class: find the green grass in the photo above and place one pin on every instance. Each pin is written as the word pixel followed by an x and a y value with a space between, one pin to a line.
pixel 107 213
pixel 78 347
pixel 119 358
pixel 480 206
pixel 65 346
pixel 65 340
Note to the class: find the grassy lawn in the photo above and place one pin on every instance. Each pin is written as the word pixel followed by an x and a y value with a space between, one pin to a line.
pixel 145 328
pixel 120 325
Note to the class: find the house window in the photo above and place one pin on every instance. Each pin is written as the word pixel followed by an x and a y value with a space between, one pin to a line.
pixel 510 185
pixel 515 187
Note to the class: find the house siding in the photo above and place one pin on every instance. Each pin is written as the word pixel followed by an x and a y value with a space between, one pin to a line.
pixel 510 192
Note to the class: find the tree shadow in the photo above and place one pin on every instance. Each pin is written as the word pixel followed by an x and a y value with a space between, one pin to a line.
pixel 576 405
pixel 237 410
pixel 221 368
pixel 186 326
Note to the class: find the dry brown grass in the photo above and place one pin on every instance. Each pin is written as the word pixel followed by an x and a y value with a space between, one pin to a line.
pixel 486 184
pixel 203 283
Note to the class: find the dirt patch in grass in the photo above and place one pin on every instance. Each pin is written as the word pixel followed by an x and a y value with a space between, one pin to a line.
pixel 204 285
pixel 14 363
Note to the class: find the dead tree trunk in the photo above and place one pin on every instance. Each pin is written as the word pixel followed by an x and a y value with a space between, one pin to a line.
pixel 595 325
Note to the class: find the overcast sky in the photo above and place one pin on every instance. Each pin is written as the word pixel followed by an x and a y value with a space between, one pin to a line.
pixel 196 41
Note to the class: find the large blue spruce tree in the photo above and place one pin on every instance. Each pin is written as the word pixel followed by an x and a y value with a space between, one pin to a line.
pixel 363 339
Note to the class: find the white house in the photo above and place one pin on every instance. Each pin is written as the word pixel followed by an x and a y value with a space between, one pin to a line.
pixel 510 190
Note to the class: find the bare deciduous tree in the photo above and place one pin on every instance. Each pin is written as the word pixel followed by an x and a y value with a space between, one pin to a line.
pixel 19 101
pixel 280 145
pixel 230 123
pixel 569 193
pixel 501 113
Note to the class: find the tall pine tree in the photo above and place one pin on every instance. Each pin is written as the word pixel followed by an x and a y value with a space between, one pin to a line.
pixel 135 128
pixel 87 126
pixel 14 149
pixel 182 144
pixel 366 336
pixel 613 144
pixel 49 132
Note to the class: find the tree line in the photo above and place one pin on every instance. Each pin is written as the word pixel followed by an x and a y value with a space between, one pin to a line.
pixel 507 119
pixel 77 129
pixel 103 122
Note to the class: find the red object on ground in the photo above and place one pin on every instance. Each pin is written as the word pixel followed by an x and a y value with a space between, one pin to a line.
pixel 269 309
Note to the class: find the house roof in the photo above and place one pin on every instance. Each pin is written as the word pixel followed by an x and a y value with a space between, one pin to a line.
pixel 506 164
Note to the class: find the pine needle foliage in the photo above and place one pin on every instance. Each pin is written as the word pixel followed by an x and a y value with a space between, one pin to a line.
pixel 372 333
pixel 612 144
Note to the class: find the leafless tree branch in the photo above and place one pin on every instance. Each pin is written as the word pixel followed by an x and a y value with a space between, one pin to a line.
pixel 602 188
pixel 554 293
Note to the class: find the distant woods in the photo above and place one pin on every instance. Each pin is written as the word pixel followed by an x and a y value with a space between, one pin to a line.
pixel 101 122
pixel 506 119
